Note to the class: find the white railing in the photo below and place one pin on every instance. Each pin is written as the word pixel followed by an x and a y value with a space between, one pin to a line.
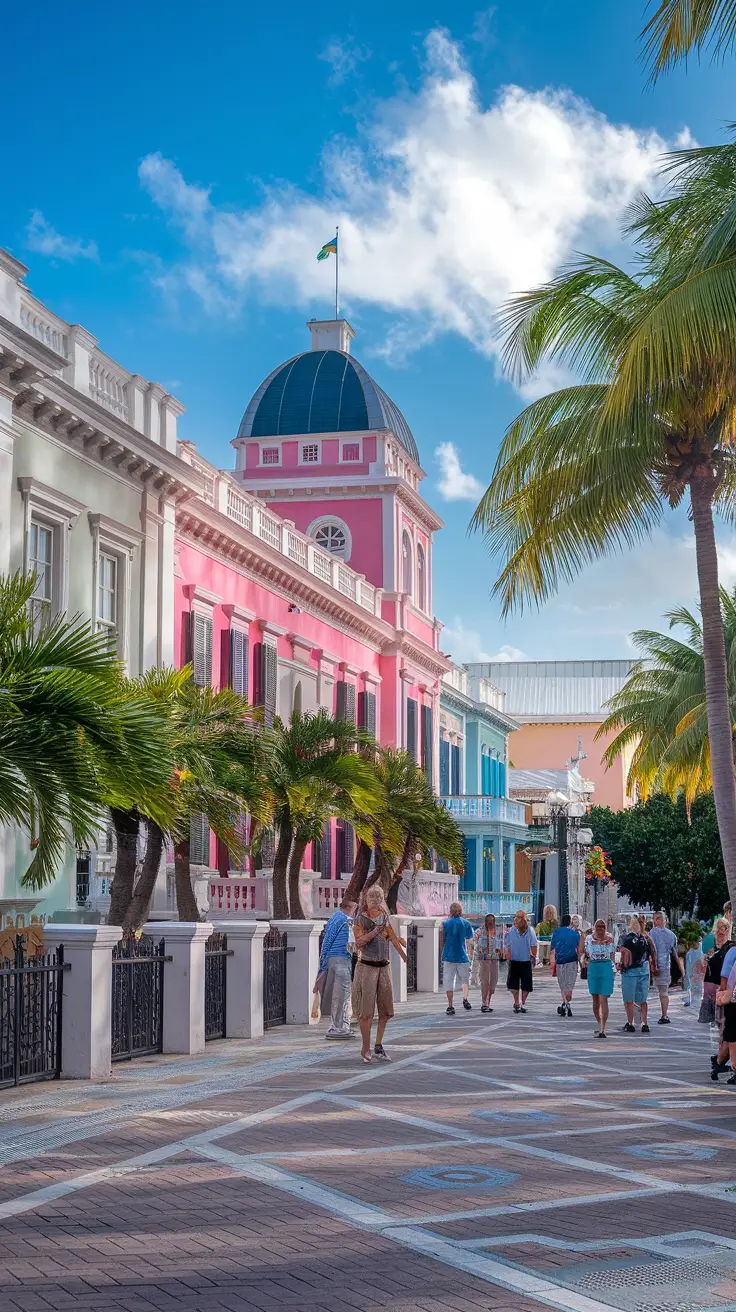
pixel 327 894
pixel 500 904
pixel 208 492
pixel 323 566
pixel 107 387
pixel 297 549
pixel 41 325
pixel 367 595
pixel 270 529
pixel 239 509
pixel 347 582
pixel 234 897
pixel 486 808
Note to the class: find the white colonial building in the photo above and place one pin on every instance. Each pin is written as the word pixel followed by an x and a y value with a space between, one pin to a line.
pixel 89 480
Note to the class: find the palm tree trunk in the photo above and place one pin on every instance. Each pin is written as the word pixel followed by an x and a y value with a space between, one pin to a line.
pixel 407 855
pixel 383 873
pixel 716 676
pixel 280 866
pixel 296 911
pixel 137 913
pixel 360 872
pixel 186 903
pixel 126 825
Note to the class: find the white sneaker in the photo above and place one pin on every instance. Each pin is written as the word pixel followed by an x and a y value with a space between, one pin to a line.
pixel 340 1034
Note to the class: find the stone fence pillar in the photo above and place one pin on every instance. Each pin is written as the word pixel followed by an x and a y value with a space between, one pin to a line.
pixel 399 925
pixel 244 987
pixel 183 983
pixel 428 948
pixel 301 967
pixel 86 1031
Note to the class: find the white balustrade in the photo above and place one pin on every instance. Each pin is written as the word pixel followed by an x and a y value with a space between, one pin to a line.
pixel 500 904
pixel 232 897
pixel 323 566
pixel 108 387
pixel 327 894
pixel 347 582
pixel 239 509
pixel 270 529
pixel 485 808
pixel 367 595
pixel 297 548
pixel 44 327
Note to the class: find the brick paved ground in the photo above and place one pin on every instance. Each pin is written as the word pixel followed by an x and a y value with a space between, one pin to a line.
pixel 501 1162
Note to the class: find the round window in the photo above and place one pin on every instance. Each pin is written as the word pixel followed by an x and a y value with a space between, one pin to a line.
pixel 330 537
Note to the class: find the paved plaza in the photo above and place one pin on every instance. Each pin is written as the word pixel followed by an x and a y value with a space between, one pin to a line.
pixel 500 1162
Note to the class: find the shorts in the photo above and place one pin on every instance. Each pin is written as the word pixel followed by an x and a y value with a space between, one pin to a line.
pixel 635 984
pixel 728 1034
pixel 520 976
pixel 372 989
pixel 455 974
pixel 662 982
pixel 567 976
pixel 600 978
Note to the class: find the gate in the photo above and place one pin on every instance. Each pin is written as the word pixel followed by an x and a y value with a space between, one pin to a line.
pixel 274 978
pixel 215 985
pixel 137 997
pixel 30 1016
pixel 411 959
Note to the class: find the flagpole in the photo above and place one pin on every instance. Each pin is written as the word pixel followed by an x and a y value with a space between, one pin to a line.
pixel 337 273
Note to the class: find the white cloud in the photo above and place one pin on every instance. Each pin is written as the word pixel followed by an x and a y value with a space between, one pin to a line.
pixel 43 238
pixel 447 206
pixel 343 54
pixel 454 484
pixel 466 645
pixel 484 28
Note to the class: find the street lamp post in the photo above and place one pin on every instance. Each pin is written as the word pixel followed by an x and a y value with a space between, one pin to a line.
pixel 558 804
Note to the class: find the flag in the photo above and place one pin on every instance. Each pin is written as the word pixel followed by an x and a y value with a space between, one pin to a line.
pixel 329 248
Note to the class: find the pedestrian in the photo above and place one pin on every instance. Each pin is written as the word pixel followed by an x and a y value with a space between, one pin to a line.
pixel 710 1013
pixel 564 951
pixel 726 998
pixel 665 943
pixel 600 951
pixel 709 940
pixel 694 971
pixel 521 951
pixel 336 965
pixel 457 933
pixel 637 952
pixel 488 954
pixel 372 987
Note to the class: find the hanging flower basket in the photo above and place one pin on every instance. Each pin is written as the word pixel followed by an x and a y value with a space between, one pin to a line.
pixel 597 866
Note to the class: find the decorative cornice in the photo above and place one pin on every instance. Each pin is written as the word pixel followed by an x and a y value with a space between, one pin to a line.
pixel 460 701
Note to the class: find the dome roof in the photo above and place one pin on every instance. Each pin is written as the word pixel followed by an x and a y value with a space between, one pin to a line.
pixel 323 392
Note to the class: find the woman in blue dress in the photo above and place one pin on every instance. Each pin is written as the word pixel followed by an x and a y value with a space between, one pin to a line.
pixel 600 951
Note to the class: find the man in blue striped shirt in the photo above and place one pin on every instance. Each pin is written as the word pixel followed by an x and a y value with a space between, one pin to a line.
pixel 337 961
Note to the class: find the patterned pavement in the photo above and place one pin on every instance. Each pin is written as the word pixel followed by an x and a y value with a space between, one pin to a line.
pixel 500 1162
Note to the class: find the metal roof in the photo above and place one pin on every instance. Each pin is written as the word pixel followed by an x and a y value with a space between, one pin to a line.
pixel 556 690
pixel 323 392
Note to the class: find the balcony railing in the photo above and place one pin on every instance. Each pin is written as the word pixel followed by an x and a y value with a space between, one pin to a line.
pixel 485 808
pixel 44 326
pixel 500 904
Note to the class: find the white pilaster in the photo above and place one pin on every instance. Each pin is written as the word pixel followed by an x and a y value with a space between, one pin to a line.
pixel 398 965
pixel 183 983
pixel 301 967
pixel 6 475
pixel 86 998
pixel 428 948
pixel 165 637
pixel 244 987
pixel 81 347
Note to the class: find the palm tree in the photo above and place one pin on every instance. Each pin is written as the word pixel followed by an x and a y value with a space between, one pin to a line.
pixel 660 713
pixel 310 750
pixel 412 821
pixel 67 729
pixel 591 466
pixel 346 787
pixel 678 27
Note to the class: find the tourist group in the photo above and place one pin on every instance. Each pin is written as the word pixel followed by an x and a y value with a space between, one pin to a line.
pixel 355 970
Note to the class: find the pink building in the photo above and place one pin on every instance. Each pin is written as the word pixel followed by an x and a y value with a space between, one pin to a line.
pixel 304 576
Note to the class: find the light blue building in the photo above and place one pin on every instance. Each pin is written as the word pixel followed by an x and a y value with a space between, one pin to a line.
pixel 474 731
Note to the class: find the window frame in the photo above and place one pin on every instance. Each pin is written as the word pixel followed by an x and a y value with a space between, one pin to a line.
pixel 332 521
pixel 407 564
pixel 269 446
pixel 356 442
pixel 58 513
pixel 421 591
pixel 120 543
pixel 317 445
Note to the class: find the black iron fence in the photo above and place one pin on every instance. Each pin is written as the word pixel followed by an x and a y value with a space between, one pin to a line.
pixel 137 997
pixel 411 959
pixel 275 948
pixel 215 985
pixel 30 1016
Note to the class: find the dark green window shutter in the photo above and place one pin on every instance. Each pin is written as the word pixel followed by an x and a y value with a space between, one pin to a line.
pixel 411 727
pixel 427 741
pixel 345 701
pixel 239 662
pixel 326 852
pixel 367 712
pixel 265 672
pixel 201 649
pixel 444 767
pixel 199 839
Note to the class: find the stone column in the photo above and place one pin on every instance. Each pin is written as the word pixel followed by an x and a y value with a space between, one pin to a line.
pixel 244 988
pixel 183 983
pixel 301 967
pixel 428 947
pixel 86 1032
pixel 398 965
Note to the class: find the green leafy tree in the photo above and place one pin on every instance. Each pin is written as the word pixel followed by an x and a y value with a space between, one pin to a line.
pixel 679 27
pixel 67 729
pixel 660 713
pixel 592 467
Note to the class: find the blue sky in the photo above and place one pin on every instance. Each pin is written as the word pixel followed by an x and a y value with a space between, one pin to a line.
pixel 175 168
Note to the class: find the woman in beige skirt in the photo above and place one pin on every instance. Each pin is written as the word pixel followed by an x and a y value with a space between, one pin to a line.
pixel 488 945
pixel 372 988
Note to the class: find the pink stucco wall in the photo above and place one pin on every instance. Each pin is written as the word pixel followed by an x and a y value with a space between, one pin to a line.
pixel 549 746
pixel 363 517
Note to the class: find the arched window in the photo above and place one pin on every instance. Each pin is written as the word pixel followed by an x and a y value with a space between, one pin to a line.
pixel 407 565
pixel 421 579
pixel 332 535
